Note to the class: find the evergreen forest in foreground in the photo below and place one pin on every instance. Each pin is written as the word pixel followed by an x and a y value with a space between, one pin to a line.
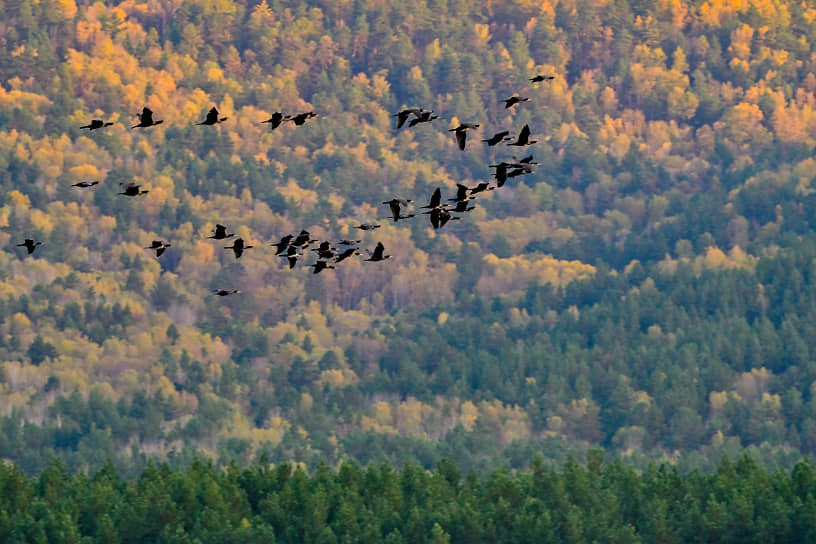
pixel 649 289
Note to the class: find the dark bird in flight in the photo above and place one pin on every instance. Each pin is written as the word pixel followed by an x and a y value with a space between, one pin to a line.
pixel 367 226
pixel 524 137
pixel 225 292
pixel 539 78
pixel 321 265
pixel 220 233
pixel 146 119
pixel 348 242
pixel 283 244
pixel 132 189
pixel 276 120
pixel 498 137
pixel 301 118
pixel 303 239
pixel 424 117
pixel 238 247
pixel 158 246
pixel 324 250
pixel 461 193
pixel 462 207
pixel 461 133
pixel 377 254
pixel 95 124
pixel 212 118
pixel 403 115
pixel 395 204
pixel 513 100
pixel 435 199
pixel 346 254
pixel 483 186
pixel 440 216
pixel 85 184
pixel 30 244
pixel 292 256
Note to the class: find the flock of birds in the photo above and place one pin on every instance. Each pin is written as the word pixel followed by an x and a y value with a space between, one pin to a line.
pixel 293 246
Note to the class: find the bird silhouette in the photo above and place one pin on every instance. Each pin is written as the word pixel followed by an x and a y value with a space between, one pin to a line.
pixel 85 184
pixel 435 199
pixel 483 186
pixel 225 292
pixel 292 256
pixel 524 137
pixel 30 245
pixel 303 239
pixel 461 133
pixel 95 124
pixel 395 204
pixel 424 117
pixel 238 247
pixel 346 254
pixel 348 242
pixel 367 226
pixel 146 119
pixel 403 115
pixel 513 100
pixel 276 120
pixel 319 266
pixel 462 207
pixel 132 189
pixel 461 193
pixel 324 250
pixel 498 137
pixel 158 246
pixel 301 118
pixel 220 233
pixel 539 78
pixel 283 244
pixel 212 118
pixel 377 254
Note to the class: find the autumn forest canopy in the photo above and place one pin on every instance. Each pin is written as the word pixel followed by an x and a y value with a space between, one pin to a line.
pixel 649 289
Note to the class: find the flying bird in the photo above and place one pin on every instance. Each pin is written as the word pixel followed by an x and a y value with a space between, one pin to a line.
pixel 158 246
pixel 513 100
pixel 276 120
pixel 283 244
pixel 30 245
pixel 303 239
pixel 292 256
pixel 95 124
pixel 461 133
pixel 367 226
pixel 132 189
pixel 220 233
pixel 346 254
pixel 301 118
pixel 377 254
pixel 146 119
pixel 85 184
pixel 238 247
pixel 435 199
pixel 462 207
pixel 523 137
pixel 498 137
pixel 403 115
pixel 225 292
pixel 212 118
pixel 324 250
pixel 539 78
pixel 395 204
pixel 348 242
pixel 461 193
pixel 424 117
pixel 483 186
pixel 321 265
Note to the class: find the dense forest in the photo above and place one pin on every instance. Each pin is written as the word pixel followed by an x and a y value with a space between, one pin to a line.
pixel 740 502
pixel 650 289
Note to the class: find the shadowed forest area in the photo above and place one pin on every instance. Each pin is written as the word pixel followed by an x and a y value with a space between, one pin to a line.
pixel 649 289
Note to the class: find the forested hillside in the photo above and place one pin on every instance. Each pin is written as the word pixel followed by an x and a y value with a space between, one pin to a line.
pixel 650 288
